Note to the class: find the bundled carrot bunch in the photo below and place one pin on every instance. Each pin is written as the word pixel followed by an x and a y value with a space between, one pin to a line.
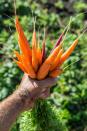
pixel 33 61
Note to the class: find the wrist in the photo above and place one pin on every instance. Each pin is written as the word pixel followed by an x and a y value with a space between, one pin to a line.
pixel 25 98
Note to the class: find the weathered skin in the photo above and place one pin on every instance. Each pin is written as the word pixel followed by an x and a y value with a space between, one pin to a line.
pixel 23 99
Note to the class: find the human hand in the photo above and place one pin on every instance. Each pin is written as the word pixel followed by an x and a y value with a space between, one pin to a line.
pixel 30 89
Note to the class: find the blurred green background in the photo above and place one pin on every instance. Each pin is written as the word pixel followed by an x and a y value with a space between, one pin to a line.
pixel 70 94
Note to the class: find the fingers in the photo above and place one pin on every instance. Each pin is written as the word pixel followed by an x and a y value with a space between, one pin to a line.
pixel 48 82
pixel 45 94
pixel 36 87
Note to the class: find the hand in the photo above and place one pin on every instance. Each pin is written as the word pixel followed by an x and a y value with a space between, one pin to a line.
pixel 30 89
pixel 22 99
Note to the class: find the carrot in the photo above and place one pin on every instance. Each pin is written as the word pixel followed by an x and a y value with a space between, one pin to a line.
pixel 68 52
pixel 25 66
pixel 35 63
pixel 34 40
pixel 29 69
pixel 23 43
pixel 44 47
pixel 20 65
pixel 43 51
pixel 55 73
pixel 57 60
pixel 39 54
pixel 58 41
pixel 17 55
pixel 44 69
pixel 52 56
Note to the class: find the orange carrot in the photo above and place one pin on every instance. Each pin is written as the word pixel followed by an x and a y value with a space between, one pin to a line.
pixel 43 51
pixel 44 47
pixel 29 69
pixel 23 43
pixel 39 54
pixel 57 60
pixel 20 65
pixel 17 55
pixel 55 73
pixel 35 63
pixel 52 56
pixel 26 66
pixel 68 52
pixel 44 69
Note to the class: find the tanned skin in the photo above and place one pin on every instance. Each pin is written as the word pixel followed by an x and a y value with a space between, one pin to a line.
pixel 23 99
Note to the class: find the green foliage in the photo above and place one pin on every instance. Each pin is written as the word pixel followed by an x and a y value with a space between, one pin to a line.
pixel 43 117
pixel 69 96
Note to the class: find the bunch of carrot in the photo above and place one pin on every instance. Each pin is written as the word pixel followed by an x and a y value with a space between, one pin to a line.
pixel 33 61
